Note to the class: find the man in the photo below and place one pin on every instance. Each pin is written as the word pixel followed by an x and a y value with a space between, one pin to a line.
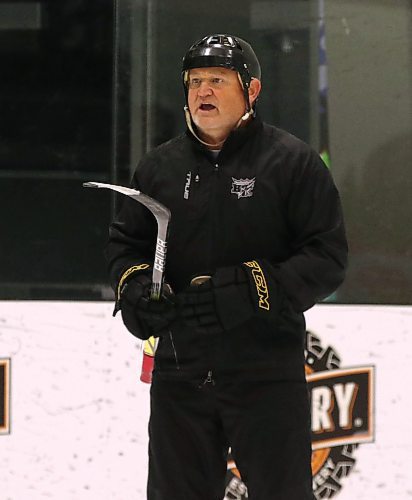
pixel 256 238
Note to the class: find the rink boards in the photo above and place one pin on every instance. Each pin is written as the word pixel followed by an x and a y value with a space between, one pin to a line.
pixel 73 413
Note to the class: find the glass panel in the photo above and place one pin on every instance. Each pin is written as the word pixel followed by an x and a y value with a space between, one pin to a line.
pixel 59 66
pixel 55 125
pixel 370 122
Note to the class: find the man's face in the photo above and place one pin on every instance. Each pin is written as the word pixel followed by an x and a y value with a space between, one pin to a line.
pixel 216 101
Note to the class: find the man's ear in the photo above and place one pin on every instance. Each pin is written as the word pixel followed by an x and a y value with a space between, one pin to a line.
pixel 254 90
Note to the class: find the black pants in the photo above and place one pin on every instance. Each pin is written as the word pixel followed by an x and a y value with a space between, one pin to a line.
pixel 266 424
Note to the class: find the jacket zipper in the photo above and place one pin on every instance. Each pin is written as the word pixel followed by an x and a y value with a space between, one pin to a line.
pixel 209 379
pixel 215 214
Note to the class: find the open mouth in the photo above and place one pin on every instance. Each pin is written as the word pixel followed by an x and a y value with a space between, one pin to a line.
pixel 207 107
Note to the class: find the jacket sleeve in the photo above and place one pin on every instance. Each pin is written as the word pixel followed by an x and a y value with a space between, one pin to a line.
pixel 132 236
pixel 318 253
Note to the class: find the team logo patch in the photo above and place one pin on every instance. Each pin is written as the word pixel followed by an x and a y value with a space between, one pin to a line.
pixel 243 188
pixel 4 396
pixel 342 403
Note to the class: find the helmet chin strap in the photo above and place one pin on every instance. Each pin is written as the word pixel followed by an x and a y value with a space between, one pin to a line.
pixel 219 144
pixel 245 117
pixel 189 123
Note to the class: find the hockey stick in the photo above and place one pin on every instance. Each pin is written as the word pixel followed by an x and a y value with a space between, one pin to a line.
pixel 162 216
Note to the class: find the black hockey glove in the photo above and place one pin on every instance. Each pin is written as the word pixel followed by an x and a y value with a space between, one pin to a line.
pixel 142 316
pixel 231 297
pixel 220 303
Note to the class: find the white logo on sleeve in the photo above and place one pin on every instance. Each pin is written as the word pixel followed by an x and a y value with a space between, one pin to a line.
pixel 186 192
pixel 243 187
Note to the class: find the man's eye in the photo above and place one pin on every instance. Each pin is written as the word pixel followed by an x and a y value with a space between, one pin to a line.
pixel 217 81
pixel 194 82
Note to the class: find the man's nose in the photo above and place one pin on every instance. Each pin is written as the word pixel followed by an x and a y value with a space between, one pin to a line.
pixel 204 89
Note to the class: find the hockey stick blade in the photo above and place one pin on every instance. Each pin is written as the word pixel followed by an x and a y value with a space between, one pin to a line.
pixel 157 209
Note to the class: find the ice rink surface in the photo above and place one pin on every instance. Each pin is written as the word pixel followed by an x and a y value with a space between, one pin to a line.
pixel 78 412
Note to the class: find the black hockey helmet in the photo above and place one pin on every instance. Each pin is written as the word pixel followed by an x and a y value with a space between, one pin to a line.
pixel 225 51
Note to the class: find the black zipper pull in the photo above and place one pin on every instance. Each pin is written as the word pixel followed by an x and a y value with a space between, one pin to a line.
pixel 208 379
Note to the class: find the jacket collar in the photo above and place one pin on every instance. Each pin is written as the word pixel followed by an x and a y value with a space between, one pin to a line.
pixel 236 139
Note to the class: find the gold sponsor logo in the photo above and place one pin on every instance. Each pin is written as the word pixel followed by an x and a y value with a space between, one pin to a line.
pixel 260 282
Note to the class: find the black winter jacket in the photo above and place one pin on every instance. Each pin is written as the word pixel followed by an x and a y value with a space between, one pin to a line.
pixel 267 198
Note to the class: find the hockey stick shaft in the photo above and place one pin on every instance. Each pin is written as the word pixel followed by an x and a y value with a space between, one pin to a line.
pixel 162 216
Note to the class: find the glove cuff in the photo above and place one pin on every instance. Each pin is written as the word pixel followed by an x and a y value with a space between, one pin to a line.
pixel 125 277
